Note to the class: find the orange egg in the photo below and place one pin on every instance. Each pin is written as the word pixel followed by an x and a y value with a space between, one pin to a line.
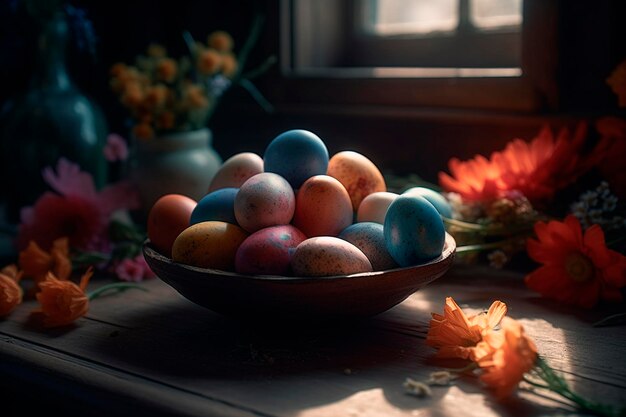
pixel 209 245
pixel 323 207
pixel 168 216
pixel 358 175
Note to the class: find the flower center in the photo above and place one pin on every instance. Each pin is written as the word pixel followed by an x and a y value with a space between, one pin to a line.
pixel 579 267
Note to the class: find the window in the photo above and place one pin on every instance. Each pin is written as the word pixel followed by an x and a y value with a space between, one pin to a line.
pixel 484 54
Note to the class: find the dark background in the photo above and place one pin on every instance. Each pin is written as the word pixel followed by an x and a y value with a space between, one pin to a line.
pixel 590 38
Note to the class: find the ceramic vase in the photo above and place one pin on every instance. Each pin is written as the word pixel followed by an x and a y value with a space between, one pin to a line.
pixel 176 163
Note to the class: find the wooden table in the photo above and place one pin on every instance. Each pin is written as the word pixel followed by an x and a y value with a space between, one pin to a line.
pixel 157 353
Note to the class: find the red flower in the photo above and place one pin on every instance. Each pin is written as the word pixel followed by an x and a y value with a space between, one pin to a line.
pixel 53 216
pixel 577 268
pixel 537 169
pixel 78 211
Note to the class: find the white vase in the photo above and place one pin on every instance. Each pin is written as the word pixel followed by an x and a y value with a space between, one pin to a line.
pixel 176 163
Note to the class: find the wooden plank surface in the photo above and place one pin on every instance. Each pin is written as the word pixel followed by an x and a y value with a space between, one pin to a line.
pixel 158 352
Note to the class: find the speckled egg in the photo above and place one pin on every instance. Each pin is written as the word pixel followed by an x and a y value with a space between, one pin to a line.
pixel 374 207
pixel 436 199
pixel 323 207
pixel 218 205
pixel 236 170
pixel 296 155
pixel 358 174
pixel 268 251
pixel 370 238
pixel 168 216
pixel 209 245
pixel 264 200
pixel 328 256
pixel 414 231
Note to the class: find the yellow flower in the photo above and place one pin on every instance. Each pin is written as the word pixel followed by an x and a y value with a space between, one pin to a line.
pixel 456 335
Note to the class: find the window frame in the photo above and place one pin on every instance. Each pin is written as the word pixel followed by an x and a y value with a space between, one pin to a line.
pixel 532 90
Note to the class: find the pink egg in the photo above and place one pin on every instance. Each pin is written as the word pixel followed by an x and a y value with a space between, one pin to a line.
pixel 264 200
pixel 323 207
pixel 268 251
pixel 328 256
pixel 374 207
pixel 236 170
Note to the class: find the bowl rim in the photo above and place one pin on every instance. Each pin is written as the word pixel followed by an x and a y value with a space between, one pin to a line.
pixel 449 250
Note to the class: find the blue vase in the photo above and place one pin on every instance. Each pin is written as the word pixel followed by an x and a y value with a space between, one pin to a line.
pixel 53 119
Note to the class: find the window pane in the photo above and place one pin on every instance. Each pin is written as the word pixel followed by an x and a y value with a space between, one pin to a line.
pixel 493 14
pixel 396 17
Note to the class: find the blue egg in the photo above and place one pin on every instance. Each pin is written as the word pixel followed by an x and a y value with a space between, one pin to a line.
pixel 216 206
pixel 296 155
pixel 370 238
pixel 414 231
pixel 434 198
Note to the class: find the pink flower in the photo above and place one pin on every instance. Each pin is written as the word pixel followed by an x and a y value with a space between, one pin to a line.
pixel 135 269
pixel 115 148
pixel 78 211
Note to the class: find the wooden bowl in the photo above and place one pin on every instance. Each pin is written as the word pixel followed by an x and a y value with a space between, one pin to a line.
pixel 281 297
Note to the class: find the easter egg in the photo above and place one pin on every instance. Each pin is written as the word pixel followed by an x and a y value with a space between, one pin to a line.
pixel 414 231
pixel 236 170
pixel 168 216
pixel 296 155
pixel 268 251
pixel 374 207
pixel 323 207
pixel 436 199
pixel 358 174
pixel 328 256
pixel 264 200
pixel 209 245
pixel 370 238
pixel 218 205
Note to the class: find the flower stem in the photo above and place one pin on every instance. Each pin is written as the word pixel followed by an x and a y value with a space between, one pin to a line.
pixel 559 385
pixel 469 367
pixel 619 318
pixel 114 287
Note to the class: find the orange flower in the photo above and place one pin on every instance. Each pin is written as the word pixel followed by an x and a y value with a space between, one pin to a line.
pixel 156 51
pixel 143 131
pixel 510 355
pixel 537 169
pixel 36 262
pixel 220 41
pixel 577 269
pixel 10 291
pixel 62 302
pixel 166 120
pixel 456 335
pixel 209 61
pixel 229 65
pixel 617 82
pixel 166 70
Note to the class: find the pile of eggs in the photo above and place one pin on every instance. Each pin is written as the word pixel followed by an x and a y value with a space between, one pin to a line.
pixel 298 212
